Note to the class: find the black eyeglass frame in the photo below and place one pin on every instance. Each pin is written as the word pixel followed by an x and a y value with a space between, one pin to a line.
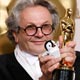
pixel 36 27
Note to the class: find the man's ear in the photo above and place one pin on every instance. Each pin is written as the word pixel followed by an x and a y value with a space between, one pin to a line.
pixel 15 37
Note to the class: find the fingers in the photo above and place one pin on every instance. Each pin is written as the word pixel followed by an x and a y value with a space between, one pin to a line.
pixel 71 44
pixel 44 59
pixel 67 51
pixel 60 41
pixel 68 54
pixel 48 63
pixel 54 67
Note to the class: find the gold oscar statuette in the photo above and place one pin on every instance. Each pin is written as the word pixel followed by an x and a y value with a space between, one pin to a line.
pixel 67 26
pixel 66 71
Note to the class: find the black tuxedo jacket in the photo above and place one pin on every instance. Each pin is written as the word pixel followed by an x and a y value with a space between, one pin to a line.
pixel 77 66
pixel 10 69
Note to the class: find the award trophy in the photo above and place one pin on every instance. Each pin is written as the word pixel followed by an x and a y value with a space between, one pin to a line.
pixel 65 71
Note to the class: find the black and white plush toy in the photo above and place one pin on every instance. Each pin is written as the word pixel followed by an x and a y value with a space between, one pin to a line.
pixel 51 49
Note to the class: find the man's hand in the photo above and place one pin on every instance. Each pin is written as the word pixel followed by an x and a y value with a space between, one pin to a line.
pixel 48 64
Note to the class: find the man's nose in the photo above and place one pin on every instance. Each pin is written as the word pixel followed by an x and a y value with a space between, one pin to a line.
pixel 39 32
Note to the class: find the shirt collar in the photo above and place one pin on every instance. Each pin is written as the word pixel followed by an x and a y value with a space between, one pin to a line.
pixel 31 59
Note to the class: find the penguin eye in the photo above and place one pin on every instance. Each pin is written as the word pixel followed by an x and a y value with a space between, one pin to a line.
pixel 49 45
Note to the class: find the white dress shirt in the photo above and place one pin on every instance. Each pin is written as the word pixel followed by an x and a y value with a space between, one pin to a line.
pixel 29 62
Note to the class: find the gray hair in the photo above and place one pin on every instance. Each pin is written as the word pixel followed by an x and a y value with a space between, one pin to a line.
pixel 13 19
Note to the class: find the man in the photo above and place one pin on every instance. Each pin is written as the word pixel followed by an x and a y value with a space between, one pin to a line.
pixel 30 24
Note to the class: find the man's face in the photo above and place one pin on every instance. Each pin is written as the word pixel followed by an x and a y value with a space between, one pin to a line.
pixel 37 15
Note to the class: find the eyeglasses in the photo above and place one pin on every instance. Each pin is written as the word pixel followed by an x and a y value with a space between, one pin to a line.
pixel 32 29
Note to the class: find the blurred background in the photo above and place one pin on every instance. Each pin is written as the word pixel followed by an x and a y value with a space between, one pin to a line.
pixel 61 6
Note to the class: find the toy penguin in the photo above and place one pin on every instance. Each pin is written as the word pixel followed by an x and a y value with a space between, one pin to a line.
pixel 52 49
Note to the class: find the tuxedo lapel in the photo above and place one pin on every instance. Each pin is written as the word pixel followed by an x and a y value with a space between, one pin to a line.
pixel 15 70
